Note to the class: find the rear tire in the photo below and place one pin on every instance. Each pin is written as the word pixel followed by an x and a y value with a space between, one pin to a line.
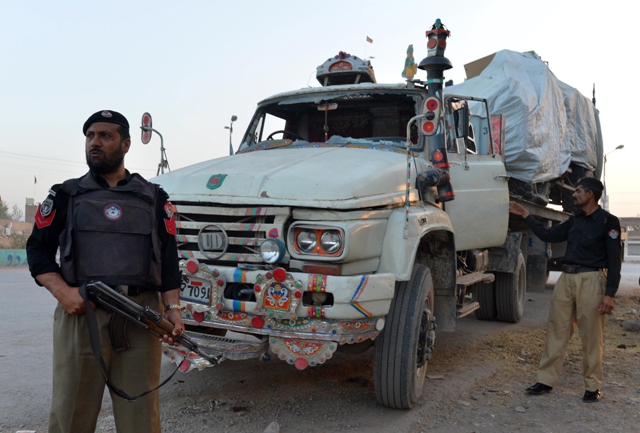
pixel 404 346
pixel 485 295
pixel 511 289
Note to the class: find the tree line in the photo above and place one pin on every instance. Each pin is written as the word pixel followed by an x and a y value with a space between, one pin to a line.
pixel 15 214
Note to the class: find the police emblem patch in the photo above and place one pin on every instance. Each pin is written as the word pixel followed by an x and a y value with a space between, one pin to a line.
pixel 613 234
pixel 112 212
pixel 106 113
pixel 168 210
pixel 46 207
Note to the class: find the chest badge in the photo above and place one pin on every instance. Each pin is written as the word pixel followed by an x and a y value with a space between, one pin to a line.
pixel 112 212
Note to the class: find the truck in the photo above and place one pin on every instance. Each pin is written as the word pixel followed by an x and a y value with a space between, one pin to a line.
pixel 354 216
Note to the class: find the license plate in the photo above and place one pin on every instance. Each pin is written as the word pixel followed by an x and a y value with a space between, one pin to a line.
pixel 195 289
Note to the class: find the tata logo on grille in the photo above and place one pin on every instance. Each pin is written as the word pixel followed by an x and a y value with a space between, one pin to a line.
pixel 213 241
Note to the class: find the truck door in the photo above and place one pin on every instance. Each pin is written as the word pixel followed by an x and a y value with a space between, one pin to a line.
pixel 480 211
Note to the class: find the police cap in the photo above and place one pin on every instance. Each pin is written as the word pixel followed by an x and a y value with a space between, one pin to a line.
pixel 107 116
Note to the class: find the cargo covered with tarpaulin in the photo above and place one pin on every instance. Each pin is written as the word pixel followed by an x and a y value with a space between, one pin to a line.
pixel 549 124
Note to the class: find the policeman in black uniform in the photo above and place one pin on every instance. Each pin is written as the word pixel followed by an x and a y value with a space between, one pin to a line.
pixel 585 291
pixel 115 227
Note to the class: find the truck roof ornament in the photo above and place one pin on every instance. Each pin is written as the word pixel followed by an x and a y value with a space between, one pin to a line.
pixel 344 68
pixel 410 66
pixel 436 45
pixel 435 64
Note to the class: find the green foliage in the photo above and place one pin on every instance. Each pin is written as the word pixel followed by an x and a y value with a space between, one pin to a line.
pixel 16 213
pixel 18 242
pixel 4 210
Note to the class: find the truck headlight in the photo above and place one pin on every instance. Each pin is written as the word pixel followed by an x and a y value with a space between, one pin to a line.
pixel 331 241
pixel 307 240
pixel 272 250
pixel 322 241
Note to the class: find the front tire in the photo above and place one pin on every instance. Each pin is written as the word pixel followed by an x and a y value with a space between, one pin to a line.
pixel 404 346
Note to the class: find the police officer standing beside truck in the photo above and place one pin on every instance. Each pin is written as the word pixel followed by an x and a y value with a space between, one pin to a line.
pixel 115 227
pixel 585 291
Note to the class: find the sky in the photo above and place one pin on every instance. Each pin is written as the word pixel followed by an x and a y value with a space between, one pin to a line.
pixel 194 64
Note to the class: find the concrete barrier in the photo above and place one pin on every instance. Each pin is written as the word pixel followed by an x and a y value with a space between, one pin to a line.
pixel 13 258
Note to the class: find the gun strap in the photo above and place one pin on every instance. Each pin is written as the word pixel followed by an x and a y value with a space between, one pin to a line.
pixel 94 339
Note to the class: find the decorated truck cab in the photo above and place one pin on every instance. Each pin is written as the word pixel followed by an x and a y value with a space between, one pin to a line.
pixel 354 214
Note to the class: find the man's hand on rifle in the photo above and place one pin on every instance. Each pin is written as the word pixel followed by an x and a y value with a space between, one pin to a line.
pixel 173 315
pixel 68 296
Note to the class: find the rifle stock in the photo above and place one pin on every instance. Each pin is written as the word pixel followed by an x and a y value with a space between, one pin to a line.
pixel 145 317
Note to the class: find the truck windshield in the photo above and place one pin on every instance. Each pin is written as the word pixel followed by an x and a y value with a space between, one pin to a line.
pixel 366 118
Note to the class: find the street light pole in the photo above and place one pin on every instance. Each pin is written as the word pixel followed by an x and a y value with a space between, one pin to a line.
pixel 605 201
pixel 230 128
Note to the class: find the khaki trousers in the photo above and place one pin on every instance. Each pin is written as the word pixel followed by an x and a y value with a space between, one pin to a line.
pixel 78 385
pixel 575 301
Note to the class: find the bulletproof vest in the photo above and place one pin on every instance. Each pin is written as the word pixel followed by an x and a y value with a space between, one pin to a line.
pixel 110 234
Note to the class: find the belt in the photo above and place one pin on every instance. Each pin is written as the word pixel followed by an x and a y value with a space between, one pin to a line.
pixel 130 290
pixel 578 269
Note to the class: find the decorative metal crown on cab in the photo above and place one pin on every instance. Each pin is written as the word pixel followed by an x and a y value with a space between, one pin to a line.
pixel 345 68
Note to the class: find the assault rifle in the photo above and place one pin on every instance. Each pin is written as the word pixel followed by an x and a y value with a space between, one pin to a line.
pixel 145 317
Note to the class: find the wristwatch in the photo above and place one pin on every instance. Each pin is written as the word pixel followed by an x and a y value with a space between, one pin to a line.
pixel 172 307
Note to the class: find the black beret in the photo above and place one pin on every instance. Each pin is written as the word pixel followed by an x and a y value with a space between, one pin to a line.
pixel 107 116
pixel 591 183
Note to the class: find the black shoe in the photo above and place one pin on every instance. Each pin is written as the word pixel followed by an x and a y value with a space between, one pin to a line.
pixel 538 389
pixel 592 396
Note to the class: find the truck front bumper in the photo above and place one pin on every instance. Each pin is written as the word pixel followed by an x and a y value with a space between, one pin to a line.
pixel 279 320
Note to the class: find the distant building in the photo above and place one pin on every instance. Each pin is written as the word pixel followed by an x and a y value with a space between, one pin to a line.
pixel 30 209
pixel 633 235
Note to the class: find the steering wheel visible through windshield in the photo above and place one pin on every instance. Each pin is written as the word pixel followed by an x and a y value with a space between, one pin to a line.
pixel 371 118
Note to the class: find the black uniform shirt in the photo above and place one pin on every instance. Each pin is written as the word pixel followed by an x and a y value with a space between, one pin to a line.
pixel 43 243
pixel 592 241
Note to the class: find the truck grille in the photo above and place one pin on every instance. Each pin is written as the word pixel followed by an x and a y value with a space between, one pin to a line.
pixel 246 229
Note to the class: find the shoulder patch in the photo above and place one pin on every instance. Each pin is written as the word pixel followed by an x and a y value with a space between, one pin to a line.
pixel 613 234
pixel 170 226
pixel 169 220
pixel 46 207
pixel 45 214
pixel 168 210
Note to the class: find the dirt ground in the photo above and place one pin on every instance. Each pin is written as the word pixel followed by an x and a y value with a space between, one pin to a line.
pixel 476 384
pixel 498 403
pixel 483 393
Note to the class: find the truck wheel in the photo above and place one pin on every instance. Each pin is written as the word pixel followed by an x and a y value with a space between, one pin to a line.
pixel 511 289
pixel 404 346
pixel 485 295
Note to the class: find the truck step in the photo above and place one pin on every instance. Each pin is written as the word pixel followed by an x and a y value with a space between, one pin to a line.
pixel 467 309
pixel 475 277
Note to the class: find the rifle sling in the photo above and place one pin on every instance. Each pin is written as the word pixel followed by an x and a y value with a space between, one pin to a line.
pixel 94 339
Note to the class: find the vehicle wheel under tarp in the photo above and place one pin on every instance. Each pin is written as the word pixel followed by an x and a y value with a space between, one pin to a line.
pixel 511 290
pixel 537 193
pixel 403 348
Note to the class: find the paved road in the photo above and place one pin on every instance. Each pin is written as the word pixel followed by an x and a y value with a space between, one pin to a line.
pixel 25 358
